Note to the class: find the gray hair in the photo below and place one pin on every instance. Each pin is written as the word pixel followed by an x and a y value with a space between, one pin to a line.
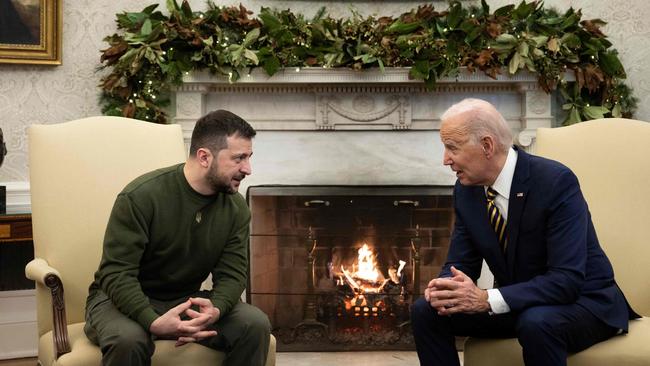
pixel 482 120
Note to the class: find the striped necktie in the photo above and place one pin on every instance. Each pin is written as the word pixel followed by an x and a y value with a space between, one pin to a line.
pixel 496 220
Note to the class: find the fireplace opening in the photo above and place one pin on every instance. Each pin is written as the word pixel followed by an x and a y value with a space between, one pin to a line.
pixel 337 267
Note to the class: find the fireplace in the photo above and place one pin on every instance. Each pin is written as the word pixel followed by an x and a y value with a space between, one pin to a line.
pixel 337 267
pixel 330 136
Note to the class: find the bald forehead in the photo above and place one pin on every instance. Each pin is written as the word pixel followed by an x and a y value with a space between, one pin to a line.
pixel 455 128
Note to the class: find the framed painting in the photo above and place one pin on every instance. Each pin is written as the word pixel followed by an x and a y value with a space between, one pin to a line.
pixel 30 31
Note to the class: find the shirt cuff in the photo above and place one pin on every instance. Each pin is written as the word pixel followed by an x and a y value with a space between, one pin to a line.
pixel 497 304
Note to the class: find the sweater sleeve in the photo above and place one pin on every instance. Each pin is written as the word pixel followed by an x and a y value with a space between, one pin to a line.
pixel 124 244
pixel 230 273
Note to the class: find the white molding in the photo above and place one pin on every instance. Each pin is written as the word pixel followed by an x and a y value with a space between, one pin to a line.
pixel 292 92
pixel 18 328
pixel 18 197
pixel 197 81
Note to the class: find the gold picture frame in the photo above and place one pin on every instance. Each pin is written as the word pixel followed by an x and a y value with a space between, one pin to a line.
pixel 31 31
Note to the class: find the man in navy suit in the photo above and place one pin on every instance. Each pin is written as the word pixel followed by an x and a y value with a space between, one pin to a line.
pixel 556 291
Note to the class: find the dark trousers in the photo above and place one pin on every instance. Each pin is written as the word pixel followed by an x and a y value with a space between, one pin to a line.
pixel 546 333
pixel 243 333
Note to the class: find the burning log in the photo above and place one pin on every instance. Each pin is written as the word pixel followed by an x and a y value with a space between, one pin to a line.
pixel 348 278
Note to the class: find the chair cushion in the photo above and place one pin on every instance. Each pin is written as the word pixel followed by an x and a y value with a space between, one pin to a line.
pixel 628 349
pixel 84 353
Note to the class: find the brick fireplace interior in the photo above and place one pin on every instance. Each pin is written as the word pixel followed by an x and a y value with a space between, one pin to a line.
pixel 310 246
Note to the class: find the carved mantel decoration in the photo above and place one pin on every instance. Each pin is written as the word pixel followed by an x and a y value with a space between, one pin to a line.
pixel 341 99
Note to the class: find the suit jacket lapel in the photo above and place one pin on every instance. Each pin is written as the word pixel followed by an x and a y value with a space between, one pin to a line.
pixel 516 202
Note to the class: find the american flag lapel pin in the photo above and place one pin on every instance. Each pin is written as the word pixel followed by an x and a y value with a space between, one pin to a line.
pixel 520 194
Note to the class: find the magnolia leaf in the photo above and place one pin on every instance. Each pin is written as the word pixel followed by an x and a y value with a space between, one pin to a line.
pixel 473 34
pixel 502 47
pixel 187 10
pixel 595 112
pixel 538 53
pixel 251 37
pixel 381 65
pixel 486 7
pixel 172 6
pixel 571 40
pixel 572 117
pixel 594 44
pixel 270 21
pixel 551 20
pixel 573 58
pixel 403 28
pixel 504 10
pixel 506 38
pixel 523 10
pixel 610 63
pixel 150 55
pixel 539 40
pixel 570 20
pixel 530 65
pixel 236 53
pixel 149 9
pixel 522 49
pixel 515 63
pixel 251 56
pixel 455 12
pixel 616 111
pixel 146 28
pixel 271 65
pixel 567 106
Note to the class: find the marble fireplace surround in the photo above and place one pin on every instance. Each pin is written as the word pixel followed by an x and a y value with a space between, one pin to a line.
pixel 342 127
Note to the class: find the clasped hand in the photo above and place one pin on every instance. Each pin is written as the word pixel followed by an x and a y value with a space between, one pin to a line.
pixel 170 324
pixel 456 294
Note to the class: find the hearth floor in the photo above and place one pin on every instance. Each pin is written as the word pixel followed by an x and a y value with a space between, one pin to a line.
pixel 375 358
pixel 387 358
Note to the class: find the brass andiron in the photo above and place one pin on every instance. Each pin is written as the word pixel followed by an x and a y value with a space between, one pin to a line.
pixel 415 247
pixel 309 317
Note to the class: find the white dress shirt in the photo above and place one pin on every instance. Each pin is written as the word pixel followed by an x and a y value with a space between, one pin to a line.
pixel 502 186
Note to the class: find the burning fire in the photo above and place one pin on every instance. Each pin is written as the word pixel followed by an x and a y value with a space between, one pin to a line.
pixel 366 280
pixel 367 269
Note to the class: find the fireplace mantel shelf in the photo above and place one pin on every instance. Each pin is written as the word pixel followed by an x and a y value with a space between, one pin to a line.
pixel 319 75
pixel 312 99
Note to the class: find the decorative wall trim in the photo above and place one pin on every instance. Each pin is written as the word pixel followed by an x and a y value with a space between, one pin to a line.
pixel 18 329
pixel 390 75
pixel 344 99
pixel 18 197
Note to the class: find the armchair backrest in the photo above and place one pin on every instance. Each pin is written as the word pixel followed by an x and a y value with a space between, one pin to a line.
pixel 76 170
pixel 611 158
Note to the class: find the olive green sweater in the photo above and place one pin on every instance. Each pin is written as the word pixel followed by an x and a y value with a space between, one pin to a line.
pixel 163 239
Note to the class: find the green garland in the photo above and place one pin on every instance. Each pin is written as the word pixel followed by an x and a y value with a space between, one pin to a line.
pixel 152 51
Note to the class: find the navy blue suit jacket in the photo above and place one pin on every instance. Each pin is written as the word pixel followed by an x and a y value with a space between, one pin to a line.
pixel 553 255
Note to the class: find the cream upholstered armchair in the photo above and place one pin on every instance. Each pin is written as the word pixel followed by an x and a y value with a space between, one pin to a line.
pixel 76 171
pixel 611 158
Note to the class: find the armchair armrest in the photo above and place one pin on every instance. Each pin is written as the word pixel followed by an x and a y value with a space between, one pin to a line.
pixel 40 271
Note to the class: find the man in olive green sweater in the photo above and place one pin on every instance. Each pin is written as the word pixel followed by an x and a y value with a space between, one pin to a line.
pixel 168 230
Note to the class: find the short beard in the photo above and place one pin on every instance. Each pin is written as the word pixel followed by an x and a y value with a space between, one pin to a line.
pixel 217 182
